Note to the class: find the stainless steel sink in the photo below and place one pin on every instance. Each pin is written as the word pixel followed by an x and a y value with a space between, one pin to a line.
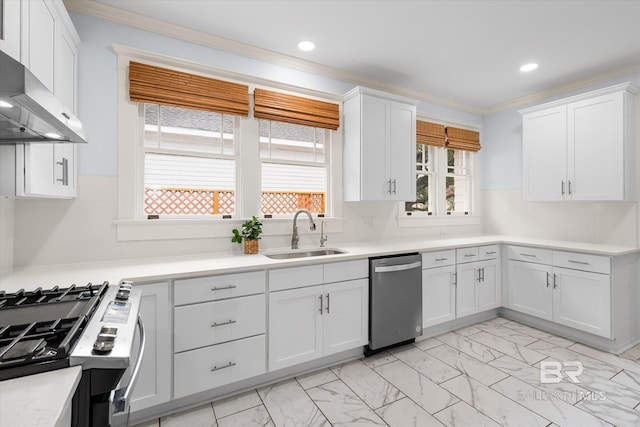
pixel 304 253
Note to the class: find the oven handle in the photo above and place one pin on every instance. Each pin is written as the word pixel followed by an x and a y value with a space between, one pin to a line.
pixel 120 398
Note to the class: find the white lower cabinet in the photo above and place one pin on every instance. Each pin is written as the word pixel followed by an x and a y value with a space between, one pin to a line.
pixel 438 295
pixel 478 287
pixel 571 297
pixel 315 321
pixel 582 300
pixel 528 290
pixel 210 367
pixel 154 380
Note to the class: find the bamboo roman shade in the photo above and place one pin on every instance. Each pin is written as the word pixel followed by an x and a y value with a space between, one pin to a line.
pixel 157 85
pixel 430 134
pixel 463 139
pixel 295 109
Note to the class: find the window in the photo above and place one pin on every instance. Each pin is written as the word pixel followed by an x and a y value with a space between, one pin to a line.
pixel 294 168
pixel 444 171
pixel 424 177
pixel 189 162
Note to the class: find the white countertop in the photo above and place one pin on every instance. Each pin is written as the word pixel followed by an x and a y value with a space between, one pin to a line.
pixel 152 269
pixel 38 400
pixel 29 392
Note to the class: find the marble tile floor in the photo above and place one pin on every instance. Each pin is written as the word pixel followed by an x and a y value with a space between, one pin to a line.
pixel 487 374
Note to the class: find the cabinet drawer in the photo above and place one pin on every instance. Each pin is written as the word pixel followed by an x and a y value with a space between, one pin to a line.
pixel 488 252
pixel 466 255
pixel 214 322
pixel 211 367
pixel 523 253
pixel 584 262
pixel 349 270
pixel 295 277
pixel 438 259
pixel 211 288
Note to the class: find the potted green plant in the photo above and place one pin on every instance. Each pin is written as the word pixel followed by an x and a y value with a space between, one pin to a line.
pixel 251 231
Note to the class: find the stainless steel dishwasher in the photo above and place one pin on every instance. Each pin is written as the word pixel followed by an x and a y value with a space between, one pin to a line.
pixel 395 301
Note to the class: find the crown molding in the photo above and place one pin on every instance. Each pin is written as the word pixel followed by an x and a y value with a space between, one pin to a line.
pixel 125 17
pixel 563 89
pixel 121 16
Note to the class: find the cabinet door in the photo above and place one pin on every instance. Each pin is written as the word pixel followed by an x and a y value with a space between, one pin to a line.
pixel 529 288
pixel 11 19
pixel 64 157
pixel 438 295
pixel 40 41
pixel 346 316
pixel 488 288
pixel 295 326
pixel 596 148
pixel 65 70
pixel 375 134
pixel 401 149
pixel 154 379
pixel 39 170
pixel 467 282
pixel 544 154
pixel 49 170
pixel 582 300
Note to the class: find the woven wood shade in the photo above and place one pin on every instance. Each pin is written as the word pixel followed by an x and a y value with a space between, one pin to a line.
pixel 430 134
pixel 294 109
pixel 156 85
pixel 463 139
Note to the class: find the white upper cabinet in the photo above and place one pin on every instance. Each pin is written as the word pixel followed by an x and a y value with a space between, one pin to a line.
pixel 39 39
pixel 10 37
pixel 379 146
pixel 581 148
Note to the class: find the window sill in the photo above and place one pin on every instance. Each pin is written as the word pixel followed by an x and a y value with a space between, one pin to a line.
pixel 437 221
pixel 174 229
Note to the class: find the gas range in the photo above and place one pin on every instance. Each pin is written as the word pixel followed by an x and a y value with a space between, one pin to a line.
pixel 94 326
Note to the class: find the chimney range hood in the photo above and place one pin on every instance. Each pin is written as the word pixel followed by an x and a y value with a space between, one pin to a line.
pixel 29 112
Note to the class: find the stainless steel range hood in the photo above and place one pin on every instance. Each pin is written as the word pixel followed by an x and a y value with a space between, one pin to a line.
pixel 29 112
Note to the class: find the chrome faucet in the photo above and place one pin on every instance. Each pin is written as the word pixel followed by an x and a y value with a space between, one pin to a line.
pixel 323 238
pixel 294 236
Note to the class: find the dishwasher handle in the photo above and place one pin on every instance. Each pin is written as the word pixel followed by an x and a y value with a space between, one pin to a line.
pixel 397 267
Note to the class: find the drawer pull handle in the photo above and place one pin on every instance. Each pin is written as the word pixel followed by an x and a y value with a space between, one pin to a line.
pixel 223 288
pixel 578 262
pixel 469 255
pixel 529 255
pixel 441 259
pixel 230 322
pixel 216 368
pixel 490 253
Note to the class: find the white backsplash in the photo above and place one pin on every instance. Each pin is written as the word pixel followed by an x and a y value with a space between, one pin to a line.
pixel 82 230
pixel 6 235
pixel 613 223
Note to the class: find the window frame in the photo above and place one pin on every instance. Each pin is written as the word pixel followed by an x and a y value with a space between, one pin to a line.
pixel 129 223
pixel 439 216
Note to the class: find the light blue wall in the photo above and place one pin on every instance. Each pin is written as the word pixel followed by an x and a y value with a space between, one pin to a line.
pixel 97 102
pixel 501 154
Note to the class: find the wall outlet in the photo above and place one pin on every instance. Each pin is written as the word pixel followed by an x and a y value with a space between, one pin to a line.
pixel 367 221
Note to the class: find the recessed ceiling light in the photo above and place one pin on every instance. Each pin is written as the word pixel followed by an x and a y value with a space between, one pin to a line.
pixel 306 45
pixel 528 67
pixel 4 104
pixel 53 135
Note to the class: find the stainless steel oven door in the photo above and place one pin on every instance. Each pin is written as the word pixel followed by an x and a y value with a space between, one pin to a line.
pixel 120 398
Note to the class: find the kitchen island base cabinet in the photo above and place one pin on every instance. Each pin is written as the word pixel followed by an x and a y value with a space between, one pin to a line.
pixel 315 321
pixel 154 380
pixel 214 366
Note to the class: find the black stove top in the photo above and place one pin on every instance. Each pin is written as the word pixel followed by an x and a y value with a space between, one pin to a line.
pixel 39 328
